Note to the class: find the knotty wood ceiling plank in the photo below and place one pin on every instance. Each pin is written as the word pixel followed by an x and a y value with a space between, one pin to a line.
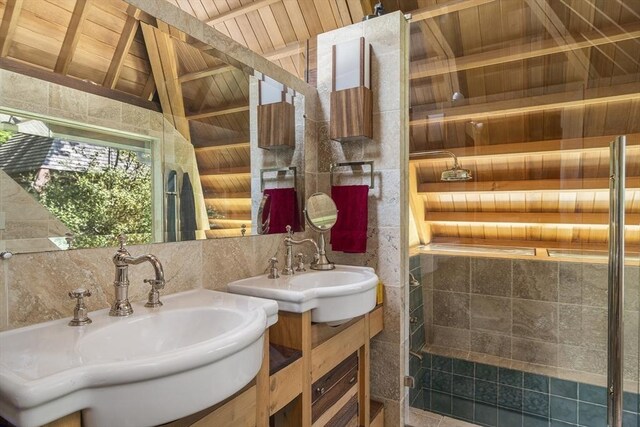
pixel 9 24
pixel 73 36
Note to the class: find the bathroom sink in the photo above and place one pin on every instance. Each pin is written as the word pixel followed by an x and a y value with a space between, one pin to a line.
pixel 155 366
pixel 333 296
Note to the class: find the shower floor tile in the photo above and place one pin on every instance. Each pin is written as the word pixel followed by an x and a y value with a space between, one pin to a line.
pixel 419 418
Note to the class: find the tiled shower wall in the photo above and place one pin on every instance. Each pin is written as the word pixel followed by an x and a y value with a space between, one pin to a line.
pixel 543 315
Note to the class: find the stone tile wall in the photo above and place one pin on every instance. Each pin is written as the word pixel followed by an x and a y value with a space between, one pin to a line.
pixel 388 201
pixel 545 316
pixel 34 286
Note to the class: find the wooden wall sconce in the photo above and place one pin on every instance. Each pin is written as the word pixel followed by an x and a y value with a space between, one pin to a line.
pixel 351 98
pixel 276 115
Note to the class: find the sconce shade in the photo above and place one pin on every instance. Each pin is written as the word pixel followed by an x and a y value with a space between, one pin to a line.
pixel 351 116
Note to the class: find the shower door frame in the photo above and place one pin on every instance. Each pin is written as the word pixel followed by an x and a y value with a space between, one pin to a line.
pixel 615 337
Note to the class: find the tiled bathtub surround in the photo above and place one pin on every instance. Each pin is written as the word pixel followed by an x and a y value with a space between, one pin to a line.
pixel 493 396
pixel 546 313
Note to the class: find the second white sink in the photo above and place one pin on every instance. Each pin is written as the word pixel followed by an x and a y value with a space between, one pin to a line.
pixel 333 296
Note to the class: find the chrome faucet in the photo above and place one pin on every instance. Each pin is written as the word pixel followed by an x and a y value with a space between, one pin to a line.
pixel 122 259
pixel 288 244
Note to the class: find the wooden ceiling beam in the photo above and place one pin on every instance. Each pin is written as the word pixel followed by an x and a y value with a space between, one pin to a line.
pixel 284 52
pixel 445 8
pixel 124 44
pixel 220 69
pixel 72 37
pixel 228 196
pixel 530 104
pixel 164 67
pixel 221 111
pixel 239 11
pixel 520 149
pixel 559 32
pixel 222 146
pixel 238 172
pixel 9 23
pixel 536 186
pixel 528 217
pixel 526 50
pixel 42 74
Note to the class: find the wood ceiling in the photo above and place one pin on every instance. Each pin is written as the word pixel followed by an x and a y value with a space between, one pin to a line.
pixel 545 84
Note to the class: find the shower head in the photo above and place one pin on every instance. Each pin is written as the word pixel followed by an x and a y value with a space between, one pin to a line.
pixel 455 174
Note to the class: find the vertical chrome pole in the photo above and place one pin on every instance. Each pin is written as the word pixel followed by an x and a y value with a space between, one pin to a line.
pixel 616 281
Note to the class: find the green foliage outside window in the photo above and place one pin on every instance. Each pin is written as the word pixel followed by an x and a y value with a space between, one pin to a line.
pixel 103 201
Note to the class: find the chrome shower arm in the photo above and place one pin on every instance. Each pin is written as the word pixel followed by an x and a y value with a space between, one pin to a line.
pixel 456 165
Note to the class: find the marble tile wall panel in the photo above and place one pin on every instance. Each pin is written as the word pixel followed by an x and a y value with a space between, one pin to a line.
pixel 552 314
pixel 388 211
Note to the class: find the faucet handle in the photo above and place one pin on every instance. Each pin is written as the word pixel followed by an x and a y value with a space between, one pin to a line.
pixel 273 269
pixel 300 266
pixel 153 300
pixel 289 231
pixel 122 238
pixel 80 311
pixel 79 293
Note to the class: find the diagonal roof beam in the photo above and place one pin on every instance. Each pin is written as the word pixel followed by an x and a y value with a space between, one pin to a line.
pixel 553 24
pixel 431 67
pixel 239 11
pixel 283 52
pixel 164 67
pixel 445 8
pixel 124 44
pixel 72 36
pixel 576 98
pixel 8 26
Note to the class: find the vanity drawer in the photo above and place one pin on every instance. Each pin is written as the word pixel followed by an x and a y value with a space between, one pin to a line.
pixel 331 388
pixel 322 386
pixel 347 416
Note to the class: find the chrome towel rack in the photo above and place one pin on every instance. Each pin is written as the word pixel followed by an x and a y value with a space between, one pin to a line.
pixel 280 171
pixel 352 164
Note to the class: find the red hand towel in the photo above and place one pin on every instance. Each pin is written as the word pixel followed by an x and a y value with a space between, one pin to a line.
pixel 350 232
pixel 283 210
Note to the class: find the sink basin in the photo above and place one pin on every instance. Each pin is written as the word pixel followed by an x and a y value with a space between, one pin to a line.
pixel 157 365
pixel 333 296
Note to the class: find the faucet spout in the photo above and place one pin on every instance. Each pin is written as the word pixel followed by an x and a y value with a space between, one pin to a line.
pixel 122 259
pixel 289 242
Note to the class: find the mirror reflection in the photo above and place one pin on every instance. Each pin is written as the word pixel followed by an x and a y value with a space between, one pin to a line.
pixel 222 141
pixel 321 212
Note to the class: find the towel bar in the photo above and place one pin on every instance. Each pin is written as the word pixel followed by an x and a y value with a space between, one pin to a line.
pixel 337 165
pixel 278 170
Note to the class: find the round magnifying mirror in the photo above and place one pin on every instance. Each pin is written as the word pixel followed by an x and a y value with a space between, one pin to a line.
pixel 321 212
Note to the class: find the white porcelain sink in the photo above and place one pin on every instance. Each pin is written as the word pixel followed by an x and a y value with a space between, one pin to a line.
pixel 153 367
pixel 333 296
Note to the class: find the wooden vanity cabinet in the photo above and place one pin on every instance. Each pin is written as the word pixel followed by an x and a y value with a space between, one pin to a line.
pixel 312 375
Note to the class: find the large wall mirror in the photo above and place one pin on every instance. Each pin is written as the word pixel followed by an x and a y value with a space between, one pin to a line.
pixel 226 160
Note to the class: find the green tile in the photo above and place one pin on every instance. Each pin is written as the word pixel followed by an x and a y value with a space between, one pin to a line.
pixel 510 377
pixel 564 409
pixel 568 389
pixel 536 382
pixel 592 394
pixel 535 403
pixel 462 408
pixel 592 415
pixel 486 372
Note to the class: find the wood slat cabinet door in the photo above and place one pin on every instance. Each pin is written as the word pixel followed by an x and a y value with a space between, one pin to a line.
pixel 333 392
